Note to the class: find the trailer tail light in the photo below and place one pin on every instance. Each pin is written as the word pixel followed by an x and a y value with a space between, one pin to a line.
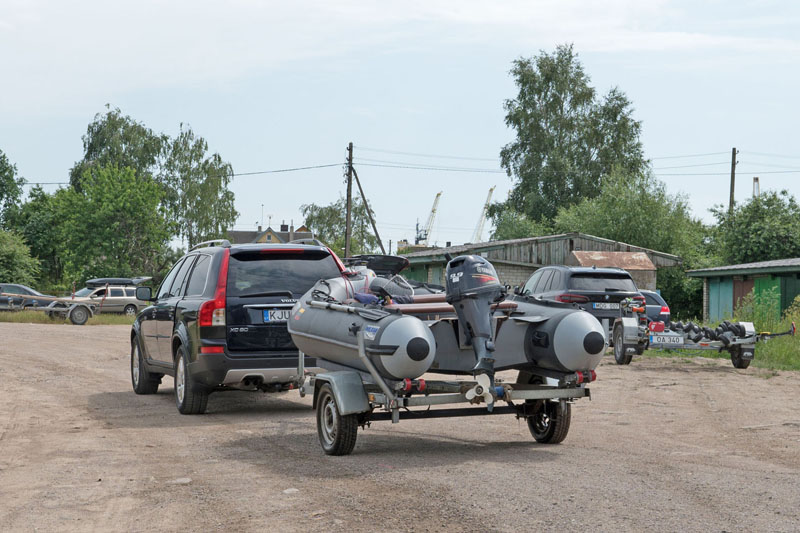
pixel 657 326
pixel 212 312
pixel 569 298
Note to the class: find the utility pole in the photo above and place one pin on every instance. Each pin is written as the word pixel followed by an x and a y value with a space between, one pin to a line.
pixel 348 230
pixel 369 212
pixel 733 177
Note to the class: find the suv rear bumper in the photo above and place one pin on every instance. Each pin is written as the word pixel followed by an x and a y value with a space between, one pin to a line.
pixel 218 369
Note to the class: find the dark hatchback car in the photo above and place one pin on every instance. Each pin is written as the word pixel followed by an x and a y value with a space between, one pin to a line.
pixel 218 320
pixel 596 290
pixel 26 299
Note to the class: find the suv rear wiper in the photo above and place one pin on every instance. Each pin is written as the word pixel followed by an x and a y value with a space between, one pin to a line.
pixel 267 293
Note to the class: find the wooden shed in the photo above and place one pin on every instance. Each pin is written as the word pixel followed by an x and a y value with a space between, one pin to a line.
pixel 516 259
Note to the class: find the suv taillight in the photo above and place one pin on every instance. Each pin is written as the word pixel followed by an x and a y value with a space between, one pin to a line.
pixel 569 298
pixel 664 309
pixel 212 312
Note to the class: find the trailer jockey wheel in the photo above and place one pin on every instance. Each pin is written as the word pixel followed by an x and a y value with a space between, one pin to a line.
pixel 737 359
pixel 547 421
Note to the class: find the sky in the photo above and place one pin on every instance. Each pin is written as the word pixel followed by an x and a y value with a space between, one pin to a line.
pixel 279 85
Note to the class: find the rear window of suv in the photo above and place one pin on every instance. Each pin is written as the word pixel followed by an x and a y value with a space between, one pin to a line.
pixel 601 282
pixel 256 273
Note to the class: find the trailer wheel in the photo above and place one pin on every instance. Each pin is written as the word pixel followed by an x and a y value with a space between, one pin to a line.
pixel 737 359
pixel 548 424
pixel 337 432
pixel 79 315
pixel 621 355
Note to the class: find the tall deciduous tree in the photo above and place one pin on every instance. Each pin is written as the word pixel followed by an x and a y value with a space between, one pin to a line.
pixel 567 138
pixel 16 263
pixel 37 221
pixel 115 226
pixel 636 209
pixel 198 198
pixel 763 228
pixel 10 188
pixel 114 139
pixel 328 224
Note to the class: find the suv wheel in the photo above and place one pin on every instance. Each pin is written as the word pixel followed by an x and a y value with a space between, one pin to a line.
pixel 190 397
pixel 143 381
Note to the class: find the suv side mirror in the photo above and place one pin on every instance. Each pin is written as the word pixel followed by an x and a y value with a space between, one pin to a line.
pixel 518 290
pixel 144 294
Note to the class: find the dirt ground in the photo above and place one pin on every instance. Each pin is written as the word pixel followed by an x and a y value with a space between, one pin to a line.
pixel 664 444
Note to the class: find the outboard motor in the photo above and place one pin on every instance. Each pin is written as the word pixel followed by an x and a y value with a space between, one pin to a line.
pixel 472 287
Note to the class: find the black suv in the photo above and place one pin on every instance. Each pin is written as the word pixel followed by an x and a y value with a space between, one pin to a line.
pixel 218 320
pixel 596 290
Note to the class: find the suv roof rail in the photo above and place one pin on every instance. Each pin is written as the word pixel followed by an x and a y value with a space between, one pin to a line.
pixel 313 242
pixel 225 243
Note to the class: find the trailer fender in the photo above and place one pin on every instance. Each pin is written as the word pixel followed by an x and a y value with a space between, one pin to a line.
pixel 348 391
pixel 630 330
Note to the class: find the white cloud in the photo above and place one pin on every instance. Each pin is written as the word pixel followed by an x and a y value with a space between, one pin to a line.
pixel 57 55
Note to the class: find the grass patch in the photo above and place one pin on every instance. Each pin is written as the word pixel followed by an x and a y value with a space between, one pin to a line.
pixel 38 317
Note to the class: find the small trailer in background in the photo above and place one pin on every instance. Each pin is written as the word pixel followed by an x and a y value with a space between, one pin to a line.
pixel 633 334
pixel 65 308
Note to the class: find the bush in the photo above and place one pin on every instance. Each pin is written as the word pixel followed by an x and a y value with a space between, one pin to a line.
pixel 781 353
pixel 16 263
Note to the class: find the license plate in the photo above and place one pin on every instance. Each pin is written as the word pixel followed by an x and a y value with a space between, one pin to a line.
pixel 666 339
pixel 276 315
pixel 605 305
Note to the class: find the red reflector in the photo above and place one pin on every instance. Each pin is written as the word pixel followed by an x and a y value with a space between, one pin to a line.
pixel 593 374
pixel 569 298
pixel 212 349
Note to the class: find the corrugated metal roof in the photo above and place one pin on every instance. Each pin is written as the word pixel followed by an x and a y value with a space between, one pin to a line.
pixel 625 260
pixel 777 265
pixel 484 246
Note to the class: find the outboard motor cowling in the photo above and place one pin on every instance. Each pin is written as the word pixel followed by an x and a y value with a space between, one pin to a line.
pixel 472 287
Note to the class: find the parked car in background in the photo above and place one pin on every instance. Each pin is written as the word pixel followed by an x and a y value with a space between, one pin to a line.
pixel 218 320
pixel 112 295
pixel 596 290
pixel 655 306
pixel 27 300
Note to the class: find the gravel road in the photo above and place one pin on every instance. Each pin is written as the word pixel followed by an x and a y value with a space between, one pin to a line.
pixel 665 444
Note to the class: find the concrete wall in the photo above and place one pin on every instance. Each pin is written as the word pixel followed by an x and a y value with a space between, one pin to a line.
pixel 513 275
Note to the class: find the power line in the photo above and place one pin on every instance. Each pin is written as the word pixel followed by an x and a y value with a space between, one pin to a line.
pixel 688 155
pixel 694 165
pixel 233 175
pixel 773 155
pixel 443 169
pixel 436 156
